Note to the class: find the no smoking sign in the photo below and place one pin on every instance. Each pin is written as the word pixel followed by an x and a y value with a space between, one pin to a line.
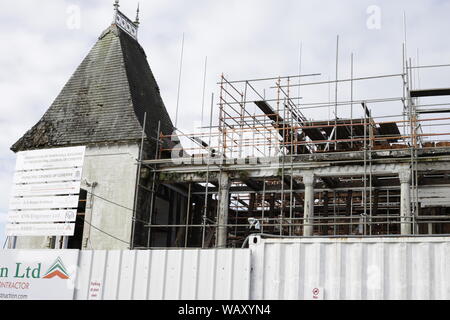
pixel 317 293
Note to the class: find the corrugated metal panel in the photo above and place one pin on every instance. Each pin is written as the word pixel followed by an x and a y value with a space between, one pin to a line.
pixel 351 268
pixel 165 274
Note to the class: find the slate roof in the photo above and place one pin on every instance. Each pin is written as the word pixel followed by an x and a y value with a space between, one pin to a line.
pixel 104 100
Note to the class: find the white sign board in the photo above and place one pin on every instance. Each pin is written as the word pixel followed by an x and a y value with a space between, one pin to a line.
pixel 68 215
pixel 40 229
pixel 46 189
pixel 56 202
pixel 95 290
pixel 44 180
pixel 38 274
pixel 50 158
pixel 52 175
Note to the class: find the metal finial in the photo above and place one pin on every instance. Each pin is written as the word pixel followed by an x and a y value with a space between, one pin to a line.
pixel 136 22
pixel 116 10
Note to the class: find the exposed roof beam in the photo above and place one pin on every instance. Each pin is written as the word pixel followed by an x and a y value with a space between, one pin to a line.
pixel 430 92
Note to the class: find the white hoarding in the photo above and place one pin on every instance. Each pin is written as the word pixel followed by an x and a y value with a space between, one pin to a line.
pixel 50 158
pixel 68 215
pixel 40 229
pixel 52 175
pixel 46 189
pixel 38 274
pixel 55 202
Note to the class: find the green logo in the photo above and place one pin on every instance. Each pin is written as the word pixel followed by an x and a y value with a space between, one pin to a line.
pixel 56 270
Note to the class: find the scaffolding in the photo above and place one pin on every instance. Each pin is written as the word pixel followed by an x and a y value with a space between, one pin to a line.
pixel 246 173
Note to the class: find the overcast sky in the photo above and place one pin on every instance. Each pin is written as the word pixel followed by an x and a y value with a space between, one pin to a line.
pixel 42 43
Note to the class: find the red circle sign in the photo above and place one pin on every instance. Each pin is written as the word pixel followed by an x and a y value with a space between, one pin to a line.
pixel 316 291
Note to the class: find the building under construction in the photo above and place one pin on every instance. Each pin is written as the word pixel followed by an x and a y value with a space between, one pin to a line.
pixel 280 159
pixel 271 165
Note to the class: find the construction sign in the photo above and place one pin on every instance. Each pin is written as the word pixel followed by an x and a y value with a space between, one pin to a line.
pixel 38 274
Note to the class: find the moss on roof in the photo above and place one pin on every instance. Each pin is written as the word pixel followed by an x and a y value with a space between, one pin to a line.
pixel 104 100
